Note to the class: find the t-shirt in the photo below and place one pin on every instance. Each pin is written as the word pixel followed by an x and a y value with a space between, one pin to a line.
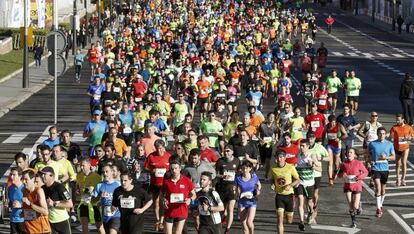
pixel 282 176
pixel 254 97
pixel 87 181
pixel 211 129
pixel 290 152
pixel 352 86
pixel 158 165
pixel 208 155
pixel 51 142
pixel 247 188
pixel 105 191
pixel 320 152
pixel 400 134
pixel 212 198
pixel 333 83
pixel 377 149
pixel 225 167
pixel 15 194
pixel 57 192
pixel 295 129
pixel 96 91
pixel 126 202
pixel 316 124
pixel 304 170
pixel 176 193
pixel 99 129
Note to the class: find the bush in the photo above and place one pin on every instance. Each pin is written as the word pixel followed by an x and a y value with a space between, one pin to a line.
pixel 66 26
pixel 8 32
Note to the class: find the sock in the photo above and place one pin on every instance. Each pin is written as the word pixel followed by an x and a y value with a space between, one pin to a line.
pixel 352 213
pixel 382 199
pixel 379 204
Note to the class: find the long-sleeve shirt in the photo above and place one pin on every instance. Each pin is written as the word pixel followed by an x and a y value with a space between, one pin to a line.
pixel 353 172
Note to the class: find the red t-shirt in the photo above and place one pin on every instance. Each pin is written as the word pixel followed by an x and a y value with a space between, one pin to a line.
pixel 93 55
pixel 139 89
pixel 322 97
pixel 291 152
pixel 315 123
pixel 160 164
pixel 176 194
pixel 209 155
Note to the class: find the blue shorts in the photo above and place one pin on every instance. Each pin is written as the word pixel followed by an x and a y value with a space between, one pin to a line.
pixel 247 203
pixel 334 150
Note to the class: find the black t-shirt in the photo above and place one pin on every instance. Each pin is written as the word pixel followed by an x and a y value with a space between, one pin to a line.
pixel 127 201
pixel 308 88
pixel 240 150
pixel 222 166
pixel 56 192
pixel 73 150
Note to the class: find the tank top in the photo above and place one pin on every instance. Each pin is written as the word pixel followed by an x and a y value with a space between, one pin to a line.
pixel 332 134
pixel 34 222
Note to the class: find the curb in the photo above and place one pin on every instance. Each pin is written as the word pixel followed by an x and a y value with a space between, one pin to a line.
pixel 7 77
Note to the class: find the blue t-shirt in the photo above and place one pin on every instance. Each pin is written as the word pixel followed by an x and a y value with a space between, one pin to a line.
pixel 256 97
pixel 246 186
pixel 16 194
pixel 49 142
pixel 159 125
pixel 126 118
pixel 105 191
pixel 96 91
pixel 100 128
pixel 378 148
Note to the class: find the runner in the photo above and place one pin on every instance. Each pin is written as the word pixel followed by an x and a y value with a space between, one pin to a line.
pixel 401 134
pixel 333 83
pixel 352 87
pixel 381 151
pixel 315 122
pixel 15 198
pixel 178 192
pixel 283 178
pixel 354 172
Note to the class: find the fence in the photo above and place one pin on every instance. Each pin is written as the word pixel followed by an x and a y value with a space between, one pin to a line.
pixel 41 40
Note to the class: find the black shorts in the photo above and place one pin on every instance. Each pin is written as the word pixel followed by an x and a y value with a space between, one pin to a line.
pixel 61 227
pixel 284 202
pixel 399 153
pixel 203 100
pixel 348 190
pixel 226 191
pixel 128 139
pixel 306 191
pixel 154 190
pixel 333 95
pixel 173 220
pixel 210 229
pixel 381 175
pixel 84 212
pixel 317 182
pixel 114 223
pixel 353 98
pixel 17 228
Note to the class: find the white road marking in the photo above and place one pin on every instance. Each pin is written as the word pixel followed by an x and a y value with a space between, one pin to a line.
pixel 44 135
pixel 408 216
pixel 352 54
pixel 78 137
pixel 400 187
pixel 398 55
pixel 401 73
pixel 337 53
pixel 399 194
pixel 15 138
pixel 336 228
pixel 382 55
pixel 367 54
pixel 403 224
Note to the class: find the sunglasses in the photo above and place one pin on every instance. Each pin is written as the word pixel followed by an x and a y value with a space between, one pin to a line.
pixel 227 151
pixel 374 115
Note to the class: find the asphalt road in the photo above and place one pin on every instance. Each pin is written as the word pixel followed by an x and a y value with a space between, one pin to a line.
pixel 379 59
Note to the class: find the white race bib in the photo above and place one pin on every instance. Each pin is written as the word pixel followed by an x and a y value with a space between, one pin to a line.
pixel 248 195
pixel 267 139
pixel 127 130
pixel 332 136
pixel 141 123
pixel 230 174
pixel 86 198
pixel 177 198
pixel 29 215
pixel 159 172
pixel 402 141
pixel 221 95
pixel 372 136
pixel 353 92
pixel 117 90
pixel 232 99
pixel 322 102
pixel 296 129
pixel 138 99
pixel 315 124
pixel 97 97
pixel 128 203
pixel 108 211
pixel 351 179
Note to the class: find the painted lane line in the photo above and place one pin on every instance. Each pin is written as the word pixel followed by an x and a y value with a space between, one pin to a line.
pixel 408 216
pixel 403 224
pixel 401 187
pixel 394 181
pixel 401 73
pixel 382 55
pixel 369 190
pixel 352 54
pixel 78 137
pixel 337 54
pixel 408 169
pixel 398 55
pixel 368 55
pixel 399 194
pixel 15 138
pixel 336 228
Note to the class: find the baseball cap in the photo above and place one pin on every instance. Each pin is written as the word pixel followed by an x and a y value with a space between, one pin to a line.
pixel 310 135
pixel 97 112
pixel 48 170
pixel 280 153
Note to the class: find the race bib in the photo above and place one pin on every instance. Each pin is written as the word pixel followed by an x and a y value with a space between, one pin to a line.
pixel 296 129
pixel 107 211
pixel 141 123
pixel 351 179
pixel 138 99
pixel 332 136
pixel 127 203
pixel 248 195
pixel 290 156
pixel 177 198
pixel 97 97
pixel 127 130
pixel 353 93
pixel 159 172
pixel 381 161
pixel 372 136
pixel 117 89
pixel 267 139
pixel 221 95
pixel 29 215
pixel 322 102
pixel 315 124
pixel 86 198
pixel 232 99
pixel 402 141
pixel 230 175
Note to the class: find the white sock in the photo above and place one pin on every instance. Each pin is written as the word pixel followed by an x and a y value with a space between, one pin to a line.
pixel 382 199
pixel 379 204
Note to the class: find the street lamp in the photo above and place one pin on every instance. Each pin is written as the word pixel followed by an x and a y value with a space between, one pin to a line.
pixel 86 21
pixel 393 14
pixel 75 13
pixel 25 48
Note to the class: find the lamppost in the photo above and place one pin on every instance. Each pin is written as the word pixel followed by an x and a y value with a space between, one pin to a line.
pixel 75 14
pixel 393 14
pixel 99 19
pixel 86 21
pixel 373 11
pixel 25 48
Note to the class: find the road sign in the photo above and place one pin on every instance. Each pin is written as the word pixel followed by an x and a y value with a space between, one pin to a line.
pixel 61 41
pixel 60 65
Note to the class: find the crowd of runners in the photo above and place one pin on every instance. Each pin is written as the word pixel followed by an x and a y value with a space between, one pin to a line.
pixel 177 98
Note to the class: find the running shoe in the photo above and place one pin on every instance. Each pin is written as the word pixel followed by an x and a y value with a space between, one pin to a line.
pixel 359 211
pixel 379 212
pixel 309 219
pixel 302 227
pixel 353 225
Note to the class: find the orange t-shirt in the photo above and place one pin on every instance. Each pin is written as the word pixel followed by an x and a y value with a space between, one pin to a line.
pixel 399 133
pixel 41 223
pixel 203 87
pixel 148 144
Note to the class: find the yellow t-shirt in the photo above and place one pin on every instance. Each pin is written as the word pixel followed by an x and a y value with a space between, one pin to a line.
pixel 56 168
pixel 87 181
pixel 296 124
pixel 282 176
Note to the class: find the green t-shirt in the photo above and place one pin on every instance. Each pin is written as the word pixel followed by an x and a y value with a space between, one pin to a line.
pixel 333 83
pixel 320 152
pixel 211 129
pixel 352 86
